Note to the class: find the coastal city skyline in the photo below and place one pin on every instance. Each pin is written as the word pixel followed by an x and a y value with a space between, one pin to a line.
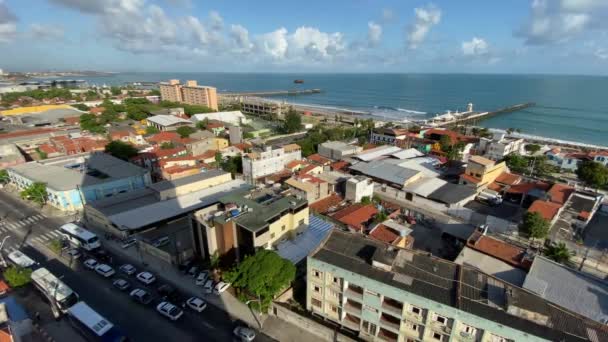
pixel 386 36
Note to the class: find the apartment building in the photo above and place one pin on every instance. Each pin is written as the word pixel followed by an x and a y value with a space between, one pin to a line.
pixel 481 172
pixel 385 293
pixel 189 93
pixel 499 146
pixel 359 187
pixel 310 187
pixel 263 107
pixel 263 163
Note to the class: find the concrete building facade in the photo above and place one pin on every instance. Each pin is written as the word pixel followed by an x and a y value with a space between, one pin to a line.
pixel 264 163
pixel 337 150
pixel 359 187
pixel 189 93
pixel 170 91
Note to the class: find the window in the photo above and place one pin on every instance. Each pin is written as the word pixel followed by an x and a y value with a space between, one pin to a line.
pixel 437 336
pixel 317 273
pixel 441 320
pixel 333 308
pixel 334 294
pixel 283 228
pixel 467 329
pixel 315 302
pixel 497 338
pixel 369 328
pixel 336 280
pixel 416 310
pixel 412 326
pixel 301 222
pixel 272 235
pixel 316 288
pixel 371 293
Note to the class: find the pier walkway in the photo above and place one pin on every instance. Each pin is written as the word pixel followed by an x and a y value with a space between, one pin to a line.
pixel 273 92
pixel 474 117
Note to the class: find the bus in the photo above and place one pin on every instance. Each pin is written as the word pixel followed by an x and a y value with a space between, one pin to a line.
pixel 21 260
pixel 93 326
pixel 79 237
pixel 59 295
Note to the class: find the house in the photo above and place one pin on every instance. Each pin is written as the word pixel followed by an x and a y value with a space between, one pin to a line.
pixel 389 136
pixel 359 187
pixel 262 163
pixel 499 146
pixel 566 160
pixel 481 172
pixel 600 157
pixel 162 138
pixel 356 217
pixel 387 173
pixel 336 150
pixel 167 122
pixel 318 159
pixel 547 210
pixel 10 155
pixel 296 165
pixel 393 233
pixel 309 187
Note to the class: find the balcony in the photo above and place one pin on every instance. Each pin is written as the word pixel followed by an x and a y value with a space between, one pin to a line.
pixel 353 307
pixel 354 292
pixel 351 322
pixel 390 322
pixel 465 336
pixel 444 329
pixel 417 318
pixel 392 306
pixel 386 335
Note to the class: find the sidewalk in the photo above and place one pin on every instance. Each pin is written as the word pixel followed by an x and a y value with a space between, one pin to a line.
pixel 47 210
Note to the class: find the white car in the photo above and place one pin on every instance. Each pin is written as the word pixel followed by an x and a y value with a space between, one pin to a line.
pixel 202 278
pixel 221 287
pixel 244 333
pixel 208 287
pixel 146 277
pixel 74 253
pixel 90 264
pixel 105 270
pixel 128 269
pixel 196 304
pixel 169 310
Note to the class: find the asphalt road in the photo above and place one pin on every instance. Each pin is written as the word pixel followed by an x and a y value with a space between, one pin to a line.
pixel 28 228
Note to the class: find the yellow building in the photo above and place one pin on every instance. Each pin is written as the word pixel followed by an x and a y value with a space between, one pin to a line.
pixel 170 91
pixel 220 143
pixel 33 109
pixel 190 93
pixel 481 172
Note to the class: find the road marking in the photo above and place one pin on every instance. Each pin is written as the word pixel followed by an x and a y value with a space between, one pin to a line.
pixel 3 229
pixel 43 237
pixel 39 216
pixel 209 326
pixel 54 233
pixel 38 239
pixel 12 226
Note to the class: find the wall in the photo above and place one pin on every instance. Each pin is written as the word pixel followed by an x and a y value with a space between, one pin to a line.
pixel 323 332
pixel 194 186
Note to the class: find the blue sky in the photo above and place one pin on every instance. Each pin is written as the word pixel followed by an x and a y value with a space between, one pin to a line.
pixel 470 36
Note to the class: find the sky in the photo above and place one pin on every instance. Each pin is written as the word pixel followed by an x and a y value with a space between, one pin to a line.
pixel 403 36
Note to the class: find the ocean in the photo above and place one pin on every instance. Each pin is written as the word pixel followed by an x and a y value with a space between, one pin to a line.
pixel 567 107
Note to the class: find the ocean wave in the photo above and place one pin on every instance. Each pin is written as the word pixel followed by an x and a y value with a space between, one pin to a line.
pixel 397 109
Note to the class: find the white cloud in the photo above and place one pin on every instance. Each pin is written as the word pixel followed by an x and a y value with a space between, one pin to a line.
pixel 475 47
pixel 274 43
pixel 240 36
pixel 601 54
pixel 8 23
pixel 102 6
pixel 426 18
pixel 309 41
pixel 374 33
pixel 45 32
pixel 555 21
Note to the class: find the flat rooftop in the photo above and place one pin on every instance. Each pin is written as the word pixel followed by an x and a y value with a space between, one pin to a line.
pixel 462 287
pixel 170 184
pixel 67 173
pixel 385 171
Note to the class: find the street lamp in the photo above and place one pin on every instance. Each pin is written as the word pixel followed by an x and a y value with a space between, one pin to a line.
pixel 260 303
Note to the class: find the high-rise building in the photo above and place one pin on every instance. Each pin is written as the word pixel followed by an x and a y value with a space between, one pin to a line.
pixel 190 93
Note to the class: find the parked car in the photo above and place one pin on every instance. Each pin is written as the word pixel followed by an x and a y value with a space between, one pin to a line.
pixel 202 278
pixel 128 242
pixel 161 241
pixel 208 287
pixel 169 310
pixel 167 292
pixel 105 270
pixel 74 253
pixel 121 284
pixel 196 304
pixel 127 269
pixel 146 277
pixel 221 287
pixel 90 263
pixel 141 296
pixel 244 333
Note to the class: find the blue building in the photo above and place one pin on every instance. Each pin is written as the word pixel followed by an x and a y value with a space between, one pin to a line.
pixel 75 180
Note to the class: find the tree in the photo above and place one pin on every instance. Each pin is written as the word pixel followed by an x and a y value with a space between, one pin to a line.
pixel 532 148
pixel 593 174
pixel 535 225
pixel 558 253
pixel 233 165
pixel 293 122
pixel 152 130
pixel 115 91
pixel 263 275
pixel 202 125
pixel 445 142
pixel 167 145
pixel 185 131
pixel 154 92
pixel 121 150
pixel 366 200
pixel 248 135
pixel 516 163
pixel 4 177
pixel 218 158
pixel 17 276
pixel 35 192
pixel 81 106
pixel 41 153
pixel 380 217
pixel 89 122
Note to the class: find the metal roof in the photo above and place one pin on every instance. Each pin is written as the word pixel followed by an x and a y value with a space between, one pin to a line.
pixel 491 265
pixel 168 120
pixel 385 171
pixel 377 152
pixel 407 154
pixel 425 186
pixel 170 184
pixel 297 249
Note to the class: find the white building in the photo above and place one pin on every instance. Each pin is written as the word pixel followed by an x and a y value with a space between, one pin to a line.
pixel 234 117
pixel 167 122
pixel 269 161
pixel 359 187
pixel 499 146
pixel 336 150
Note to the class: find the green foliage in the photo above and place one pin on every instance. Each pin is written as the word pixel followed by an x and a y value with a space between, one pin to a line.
pixel 4 177
pixel 185 131
pixel 121 150
pixel 263 274
pixel 91 95
pixel 81 106
pixel 380 217
pixel 152 130
pixel 89 122
pixel 56 245
pixel 233 165
pixel 154 92
pixel 38 94
pixel 532 148
pixel 41 154
pixel 535 226
pixel 115 91
pixel 167 145
pixel 516 163
pixel 293 122
pixel 218 158
pixel 17 276
pixel 188 109
pixel 593 174
pixel 36 193
pixel 248 135
pixel 445 142
pixel 559 253
pixel 320 134
pixel 202 125
pixel 366 200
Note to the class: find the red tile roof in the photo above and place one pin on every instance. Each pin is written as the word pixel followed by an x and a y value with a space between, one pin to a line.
pixel 356 215
pixel 496 187
pixel 206 154
pixel 340 166
pixel 119 134
pixel 163 137
pixel 295 163
pixel 243 146
pixel 168 152
pixel 212 125
pixel 508 178
pixel 97 110
pixel 72 120
pixel 523 188
pixel 384 234
pixel 547 210
pixel 306 169
pixel 323 206
pixel 179 168
pixel 559 193
pixel 598 153
pixel 498 249
pixel 454 136
pixel 48 149
pixel 26 133
pixel 470 178
pixel 164 162
pixel 318 159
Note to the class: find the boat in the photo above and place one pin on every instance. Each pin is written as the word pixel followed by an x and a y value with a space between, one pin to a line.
pixel 298 81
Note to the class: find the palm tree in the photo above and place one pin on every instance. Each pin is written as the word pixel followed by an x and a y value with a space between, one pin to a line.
pixel 558 253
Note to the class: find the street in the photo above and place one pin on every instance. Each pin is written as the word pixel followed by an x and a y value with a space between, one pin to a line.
pixel 28 229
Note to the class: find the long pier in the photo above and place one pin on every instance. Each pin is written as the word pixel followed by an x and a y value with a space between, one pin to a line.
pixel 273 92
pixel 465 118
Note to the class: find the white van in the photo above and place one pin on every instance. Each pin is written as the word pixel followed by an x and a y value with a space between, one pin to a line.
pixel 21 260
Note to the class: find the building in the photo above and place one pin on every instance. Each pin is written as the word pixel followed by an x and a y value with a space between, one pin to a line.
pixel 393 233
pixel 481 172
pixel 385 293
pixel 387 173
pixel 249 220
pixel 357 217
pixel 167 122
pixel 389 136
pixel 235 118
pixel 310 187
pixel 190 93
pixel 377 153
pixel 10 156
pixel 499 146
pixel 357 188
pixel 337 150
pixel 236 134
pixel 264 107
pixel 263 163
pixel 75 180
pixel 15 324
